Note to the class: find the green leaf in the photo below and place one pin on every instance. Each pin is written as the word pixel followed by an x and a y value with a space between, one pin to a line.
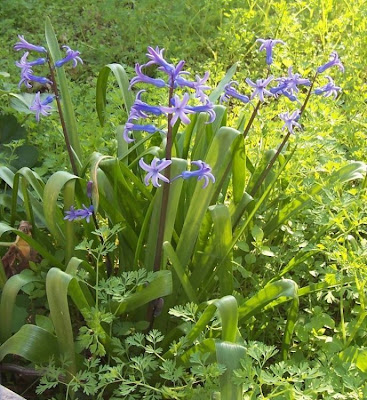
pixel 228 311
pixel 57 283
pixel 356 356
pixel 10 129
pixel 272 291
pixel 283 288
pixel 8 298
pixel 182 276
pixel 239 169
pixel 217 252
pixel 229 354
pixel 53 215
pixel 218 157
pixel 123 83
pixel 33 343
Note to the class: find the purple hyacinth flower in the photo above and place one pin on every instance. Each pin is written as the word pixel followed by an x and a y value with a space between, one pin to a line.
pixel 24 45
pixel 230 91
pixel 334 60
pixel 179 109
pixel 259 87
pixel 287 94
pixel 40 79
pixel 198 85
pixel 41 107
pixel 82 213
pixel 207 107
pixel 145 79
pixel 27 76
pixel 177 71
pixel 24 64
pixel 290 120
pixel 156 57
pixel 140 108
pixel 135 127
pixel 290 83
pixel 154 171
pixel 268 45
pixel 71 55
pixel 204 172
pixel 329 89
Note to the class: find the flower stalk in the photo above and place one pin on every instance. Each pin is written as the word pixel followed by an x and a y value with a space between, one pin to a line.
pixel 62 120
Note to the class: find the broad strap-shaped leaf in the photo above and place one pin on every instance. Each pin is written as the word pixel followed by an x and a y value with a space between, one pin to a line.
pixel 205 267
pixel 33 343
pixel 53 215
pixel 180 272
pixel 123 82
pixel 123 195
pixel 218 157
pixel 32 203
pixel 230 355
pixel 355 355
pixel 57 283
pixel 273 291
pixel 8 297
pixel 228 311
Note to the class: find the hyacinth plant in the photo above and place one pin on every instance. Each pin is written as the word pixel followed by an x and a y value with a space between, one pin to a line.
pixel 160 224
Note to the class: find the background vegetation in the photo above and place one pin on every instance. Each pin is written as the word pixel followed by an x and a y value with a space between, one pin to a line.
pixel 330 232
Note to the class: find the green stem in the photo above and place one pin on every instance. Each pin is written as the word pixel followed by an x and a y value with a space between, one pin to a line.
pixel 108 260
pixel 62 120
pixel 342 322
